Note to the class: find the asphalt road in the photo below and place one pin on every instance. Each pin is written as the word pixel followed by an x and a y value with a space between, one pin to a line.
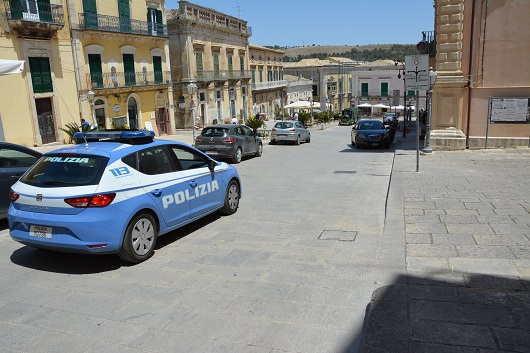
pixel 292 271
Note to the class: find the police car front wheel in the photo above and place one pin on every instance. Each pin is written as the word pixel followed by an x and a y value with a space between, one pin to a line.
pixel 231 198
pixel 140 239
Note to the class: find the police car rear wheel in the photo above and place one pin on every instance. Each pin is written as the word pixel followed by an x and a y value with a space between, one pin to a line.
pixel 231 198
pixel 140 239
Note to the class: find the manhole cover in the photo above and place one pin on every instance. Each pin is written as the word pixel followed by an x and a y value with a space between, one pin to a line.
pixel 339 235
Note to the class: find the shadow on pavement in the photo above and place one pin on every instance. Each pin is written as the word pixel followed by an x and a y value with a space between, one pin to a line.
pixel 71 263
pixel 451 313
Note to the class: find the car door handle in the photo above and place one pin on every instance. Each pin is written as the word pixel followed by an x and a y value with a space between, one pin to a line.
pixel 156 192
pixel 16 176
pixel 193 184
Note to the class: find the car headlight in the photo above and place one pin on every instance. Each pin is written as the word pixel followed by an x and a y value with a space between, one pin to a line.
pixel 363 136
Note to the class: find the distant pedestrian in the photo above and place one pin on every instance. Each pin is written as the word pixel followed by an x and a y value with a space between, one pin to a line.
pixel 234 120
pixel 84 122
pixel 296 116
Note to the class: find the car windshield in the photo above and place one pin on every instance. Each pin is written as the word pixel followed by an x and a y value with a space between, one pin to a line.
pixel 214 132
pixel 57 170
pixel 371 125
pixel 283 125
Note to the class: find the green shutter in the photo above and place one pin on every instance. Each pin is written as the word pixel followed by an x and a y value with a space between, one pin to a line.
pixel 45 10
pixel 128 69
pixel 230 67
pixel 90 13
pixel 157 66
pixel 216 65
pixel 364 89
pixel 41 77
pixel 125 16
pixel 242 64
pixel 16 9
pixel 96 74
pixel 198 60
pixel 384 89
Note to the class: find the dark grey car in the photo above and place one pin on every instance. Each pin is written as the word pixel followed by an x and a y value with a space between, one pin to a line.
pixel 14 161
pixel 229 141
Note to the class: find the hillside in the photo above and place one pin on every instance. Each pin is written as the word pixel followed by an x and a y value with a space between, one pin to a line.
pixel 358 52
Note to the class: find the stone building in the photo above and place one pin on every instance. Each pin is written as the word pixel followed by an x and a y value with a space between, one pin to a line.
pixel 268 84
pixel 298 89
pixel 209 49
pixel 480 52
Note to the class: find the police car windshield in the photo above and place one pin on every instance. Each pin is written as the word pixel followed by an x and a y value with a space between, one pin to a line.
pixel 58 170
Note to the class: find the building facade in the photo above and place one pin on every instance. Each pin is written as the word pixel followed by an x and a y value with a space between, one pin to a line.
pixel 122 63
pixel 36 102
pixel 481 51
pixel 268 84
pixel 298 89
pixel 210 50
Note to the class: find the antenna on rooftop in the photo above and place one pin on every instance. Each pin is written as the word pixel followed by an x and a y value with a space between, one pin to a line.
pixel 238 8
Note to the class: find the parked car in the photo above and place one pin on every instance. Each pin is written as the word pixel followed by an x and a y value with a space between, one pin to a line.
pixel 117 195
pixel 14 161
pixel 229 141
pixel 370 133
pixel 389 118
pixel 290 131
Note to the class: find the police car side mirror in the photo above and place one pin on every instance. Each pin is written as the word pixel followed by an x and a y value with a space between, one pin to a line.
pixel 211 165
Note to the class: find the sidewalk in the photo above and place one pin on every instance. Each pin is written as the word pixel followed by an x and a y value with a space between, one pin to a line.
pixel 457 243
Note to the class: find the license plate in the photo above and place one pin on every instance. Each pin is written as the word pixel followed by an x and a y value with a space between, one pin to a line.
pixel 374 144
pixel 211 152
pixel 40 231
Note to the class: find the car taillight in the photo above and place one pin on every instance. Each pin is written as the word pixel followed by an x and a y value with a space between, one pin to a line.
pixel 273 129
pixel 292 130
pixel 101 200
pixel 13 196
pixel 229 139
pixel 198 139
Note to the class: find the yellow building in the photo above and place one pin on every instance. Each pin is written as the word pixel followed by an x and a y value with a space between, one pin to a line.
pixel 122 63
pixel 36 101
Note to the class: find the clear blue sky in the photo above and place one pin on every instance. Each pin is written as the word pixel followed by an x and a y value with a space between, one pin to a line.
pixel 328 22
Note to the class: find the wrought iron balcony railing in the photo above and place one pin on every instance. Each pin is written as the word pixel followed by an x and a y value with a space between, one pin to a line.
pixel 428 43
pixel 93 21
pixel 34 11
pixel 223 75
pixel 108 80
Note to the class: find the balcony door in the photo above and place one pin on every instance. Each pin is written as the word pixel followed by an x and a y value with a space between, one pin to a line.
pixel 124 12
pixel 128 69
pixel 154 19
pixel 31 10
pixel 157 68
pixel 90 13
pixel 96 74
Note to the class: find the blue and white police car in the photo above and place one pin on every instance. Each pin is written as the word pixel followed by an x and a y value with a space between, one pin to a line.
pixel 116 192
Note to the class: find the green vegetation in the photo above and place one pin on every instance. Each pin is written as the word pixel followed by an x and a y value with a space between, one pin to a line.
pixel 395 51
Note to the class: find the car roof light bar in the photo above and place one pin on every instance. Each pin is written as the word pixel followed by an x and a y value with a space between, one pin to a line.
pixel 132 137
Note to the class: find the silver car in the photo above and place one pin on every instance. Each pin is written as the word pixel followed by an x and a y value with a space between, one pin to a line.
pixel 290 131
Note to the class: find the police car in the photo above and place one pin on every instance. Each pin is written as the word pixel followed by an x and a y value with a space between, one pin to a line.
pixel 116 192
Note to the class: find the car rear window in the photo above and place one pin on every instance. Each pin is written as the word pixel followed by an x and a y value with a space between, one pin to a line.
pixel 214 132
pixel 283 125
pixel 57 170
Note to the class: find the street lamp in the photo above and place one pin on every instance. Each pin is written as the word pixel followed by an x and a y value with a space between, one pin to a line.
pixel 311 102
pixel 90 95
pixel 432 80
pixel 192 89
pixel 396 62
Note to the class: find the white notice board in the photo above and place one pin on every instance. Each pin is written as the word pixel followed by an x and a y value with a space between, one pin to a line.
pixel 509 110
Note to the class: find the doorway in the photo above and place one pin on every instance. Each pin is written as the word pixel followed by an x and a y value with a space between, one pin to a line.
pixel 132 109
pixel 45 120
pixel 162 121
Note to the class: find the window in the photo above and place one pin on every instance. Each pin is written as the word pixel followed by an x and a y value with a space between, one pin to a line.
pixel 154 22
pixel 411 94
pixel 189 159
pixel 128 69
pixel 230 66
pixel 216 65
pixel 260 75
pixel 15 158
pixel 157 68
pixel 315 90
pixel 242 64
pixel 269 75
pixel 364 89
pixel 253 75
pixel 155 161
pixel 384 89
pixel 41 76
pixel 198 61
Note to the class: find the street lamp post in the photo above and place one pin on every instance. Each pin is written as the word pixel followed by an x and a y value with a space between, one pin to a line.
pixel 396 62
pixel 432 80
pixel 192 89
pixel 311 102
pixel 90 96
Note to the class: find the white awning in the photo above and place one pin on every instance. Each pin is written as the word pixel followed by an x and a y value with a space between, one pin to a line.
pixel 11 67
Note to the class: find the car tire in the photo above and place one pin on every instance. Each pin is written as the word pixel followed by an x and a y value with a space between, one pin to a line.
pixel 259 152
pixel 357 145
pixel 272 142
pixel 308 138
pixel 140 239
pixel 297 142
pixel 231 198
pixel 237 156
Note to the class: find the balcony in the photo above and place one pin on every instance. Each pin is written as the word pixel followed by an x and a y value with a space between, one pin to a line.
pixel 34 18
pixel 259 86
pixel 95 22
pixel 127 80
pixel 427 44
pixel 223 75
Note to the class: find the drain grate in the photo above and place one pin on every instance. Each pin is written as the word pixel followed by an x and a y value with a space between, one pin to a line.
pixel 345 172
pixel 339 235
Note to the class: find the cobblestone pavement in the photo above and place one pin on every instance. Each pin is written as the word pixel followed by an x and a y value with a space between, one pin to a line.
pixel 465 227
